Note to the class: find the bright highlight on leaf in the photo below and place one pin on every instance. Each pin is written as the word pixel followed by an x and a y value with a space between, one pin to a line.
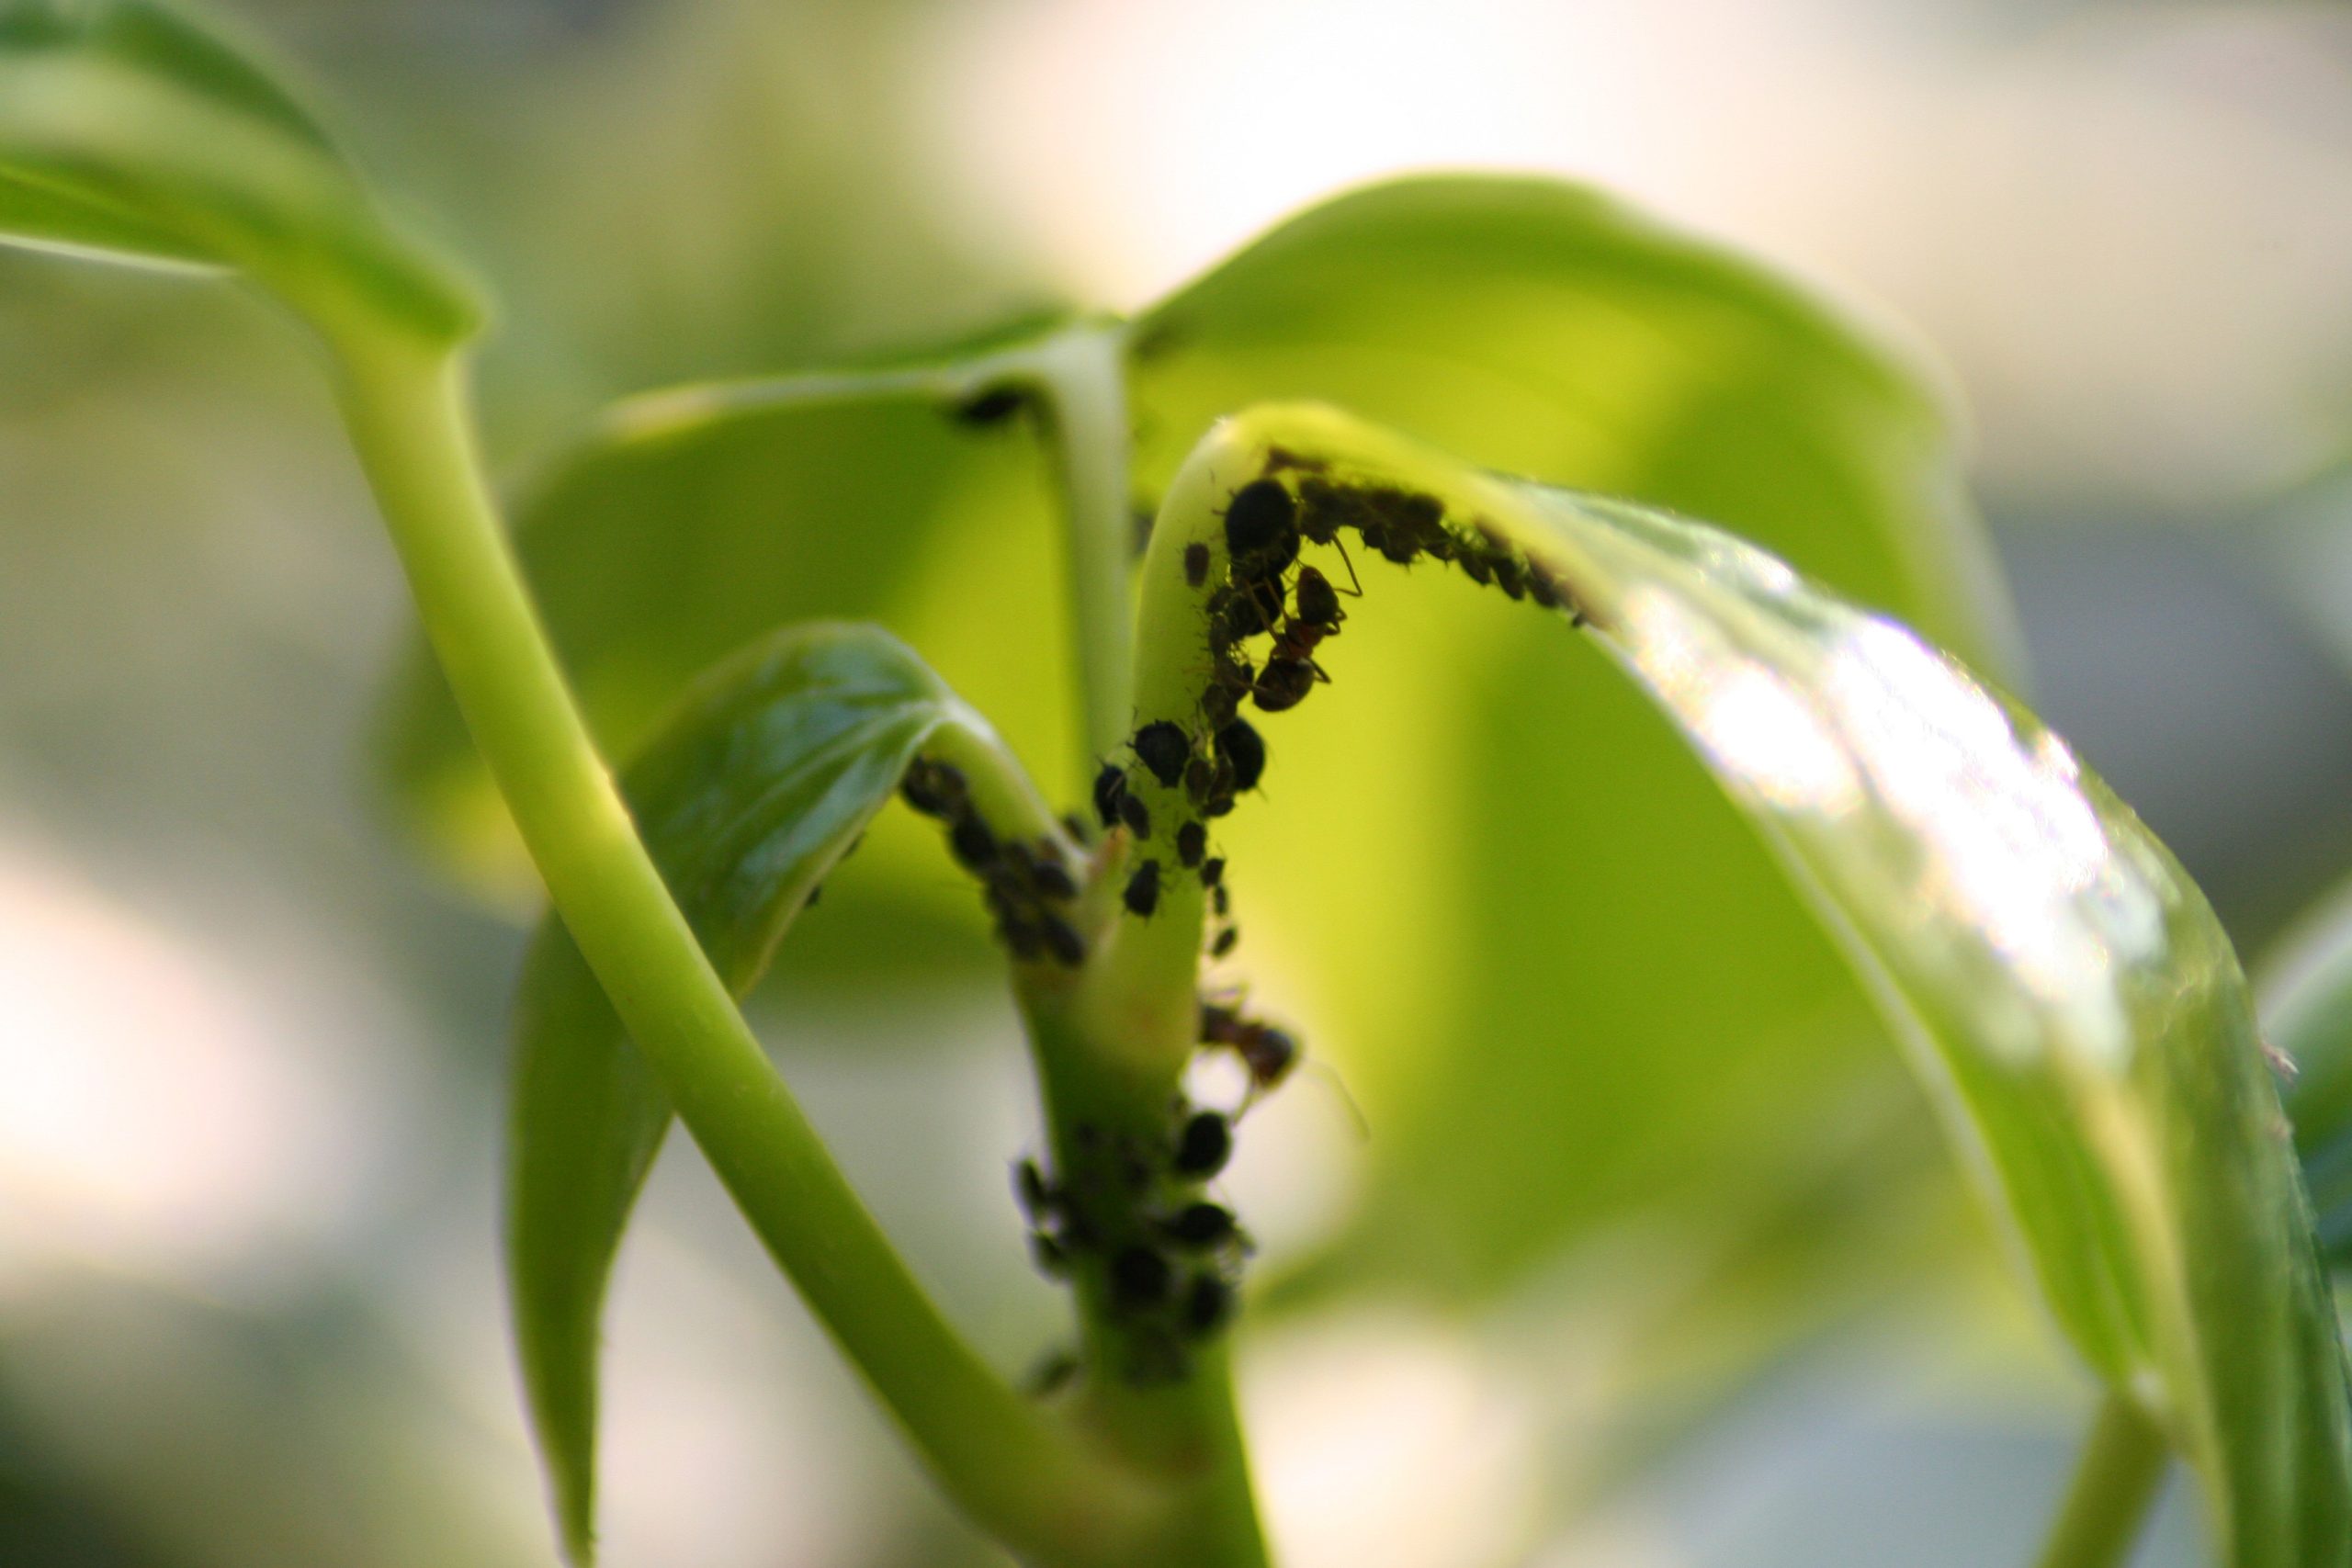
pixel 757 784
pixel 129 133
pixel 2064 987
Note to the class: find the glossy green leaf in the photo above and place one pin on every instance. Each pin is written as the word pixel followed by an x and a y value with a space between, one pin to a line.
pixel 754 788
pixel 1541 329
pixel 2305 983
pixel 128 133
pixel 2063 987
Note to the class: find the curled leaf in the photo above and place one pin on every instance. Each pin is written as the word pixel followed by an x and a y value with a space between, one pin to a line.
pixel 753 789
pixel 2065 990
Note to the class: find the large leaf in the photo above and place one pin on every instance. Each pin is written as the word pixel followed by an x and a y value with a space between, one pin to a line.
pixel 129 133
pixel 750 791
pixel 1542 330
pixel 2063 987
pixel 2306 990
pixel 1528 325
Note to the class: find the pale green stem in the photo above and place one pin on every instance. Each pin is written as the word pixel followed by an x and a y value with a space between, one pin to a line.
pixel 1081 375
pixel 2115 1483
pixel 1014 1470
pixel 1111 1052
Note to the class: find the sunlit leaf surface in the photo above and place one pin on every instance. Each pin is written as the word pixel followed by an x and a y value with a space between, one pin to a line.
pixel 2062 986
pixel 749 793
pixel 128 133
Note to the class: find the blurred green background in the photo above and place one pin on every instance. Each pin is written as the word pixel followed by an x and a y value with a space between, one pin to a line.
pixel 250 1043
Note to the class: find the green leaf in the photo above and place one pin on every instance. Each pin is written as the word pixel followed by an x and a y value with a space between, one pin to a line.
pixel 2062 987
pixel 1542 329
pixel 2305 983
pixel 754 787
pixel 129 133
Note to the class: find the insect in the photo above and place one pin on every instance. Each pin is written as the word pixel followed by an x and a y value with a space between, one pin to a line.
pixel 1261 529
pixel 974 846
pixel 1142 894
pixel 1110 788
pixel 990 405
pixel 1200 1226
pixel 1061 939
pixel 1135 815
pixel 1139 1277
pixel 1240 746
pixel 934 789
pixel 1163 746
pixel 1206 1302
pixel 1049 875
pixel 1283 684
pixel 1204 1144
pixel 1269 1052
pixel 1196 564
pixel 1230 680
pixel 1221 898
pixel 1192 843
pixel 1037 1194
pixel 1212 872
pixel 1317 602
pixel 1281 458
pixel 1226 940
pixel 1239 611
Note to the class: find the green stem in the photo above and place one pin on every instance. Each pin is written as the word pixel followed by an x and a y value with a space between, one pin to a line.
pixel 1111 1052
pixel 1082 376
pixel 1014 1470
pixel 2122 1463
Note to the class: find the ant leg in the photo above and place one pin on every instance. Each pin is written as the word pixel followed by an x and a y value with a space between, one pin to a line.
pixel 1342 546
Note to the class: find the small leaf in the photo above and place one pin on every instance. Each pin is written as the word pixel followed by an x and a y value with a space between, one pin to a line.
pixel 2065 990
pixel 127 132
pixel 750 791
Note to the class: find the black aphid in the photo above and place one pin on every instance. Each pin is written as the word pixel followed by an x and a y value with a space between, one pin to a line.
pixel 1139 1277
pixel 1110 788
pixel 1206 1302
pixel 1052 879
pixel 1261 529
pixel 934 789
pixel 1212 872
pixel 1200 1225
pixel 1061 940
pixel 1226 940
pixel 1204 1145
pixel 1192 843
pixel 991 405
pixel 975 847
pixel 1135 815
pixel 1244 749
pixel 1142 895
pixel 1196 564
pixel 1029 1184
pixel 1163 747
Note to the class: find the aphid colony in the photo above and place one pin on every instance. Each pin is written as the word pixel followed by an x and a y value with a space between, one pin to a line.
pixel 1027 886
pixel 1168 1256
pixel 1133 1212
